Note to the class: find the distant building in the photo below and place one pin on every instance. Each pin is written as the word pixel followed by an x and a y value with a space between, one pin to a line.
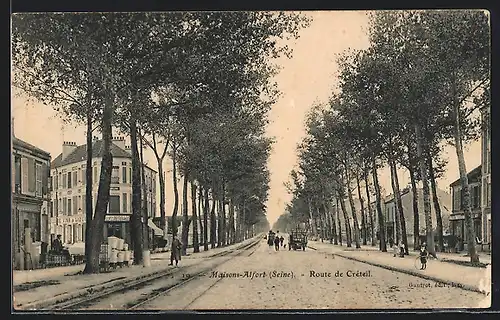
pixel 408 212
pixel 457 218
pixel 486 177
pixel 67 206
pixel 30 176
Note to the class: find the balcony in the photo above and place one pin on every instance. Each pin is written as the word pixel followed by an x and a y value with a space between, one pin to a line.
pixel 115 180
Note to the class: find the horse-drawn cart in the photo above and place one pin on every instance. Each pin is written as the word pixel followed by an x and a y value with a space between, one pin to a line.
pixel 298 240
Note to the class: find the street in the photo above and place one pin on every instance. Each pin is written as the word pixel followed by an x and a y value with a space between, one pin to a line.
pixel 261 278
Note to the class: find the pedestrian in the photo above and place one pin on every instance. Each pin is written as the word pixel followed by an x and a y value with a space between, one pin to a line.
pixel 395 249
pixel 277 243
pixel 281 240
pixel 401 249
pixel 391 242
pixel 423 256
pixel 175 253
pixel 290 239
pixel 57 246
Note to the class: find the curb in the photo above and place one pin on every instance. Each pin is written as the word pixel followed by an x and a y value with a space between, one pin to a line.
pixel 413 273
pixel 65 296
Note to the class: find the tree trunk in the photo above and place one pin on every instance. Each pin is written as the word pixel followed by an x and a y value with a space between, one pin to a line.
pixel 395 192
pixel 313 224
pixel 231 222
pixel 206 208
pixel 223 215
pixel 176 191
pixel 185 217
pixel 399 206
pixel 346 222
pixel 337 218
pixel 161 179
pixel 331 222
pixel 425 187
pixel 437 207
pixel 381 221
pixel 220 230
pixel 416 217
pixel 200 215
pixel 464 182
pixel 88 195
pixel 196 244
pixel 144 201
pixel 136 224
pixel 353 208
pixel 370 212
pixel 97 225
pixel 362 204
pixel 213 225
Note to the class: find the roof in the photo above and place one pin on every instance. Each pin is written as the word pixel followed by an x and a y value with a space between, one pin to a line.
pixel 473 176
pixel 390 198
pixel 24 144
pixel 80 154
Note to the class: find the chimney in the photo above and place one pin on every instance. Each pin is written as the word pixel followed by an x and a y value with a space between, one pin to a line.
pixel 119 141
pixel 68 148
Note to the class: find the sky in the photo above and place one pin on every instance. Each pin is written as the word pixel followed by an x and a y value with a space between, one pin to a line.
pixel 305 79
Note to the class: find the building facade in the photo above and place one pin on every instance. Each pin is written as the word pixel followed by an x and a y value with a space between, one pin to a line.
pixel 30 195
pixel 67 205
pixel 486 177
pixel 444 200
pixel 457 218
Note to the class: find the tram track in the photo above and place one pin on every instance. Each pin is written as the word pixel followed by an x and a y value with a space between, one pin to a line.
pixel 87 301
pixel 165 291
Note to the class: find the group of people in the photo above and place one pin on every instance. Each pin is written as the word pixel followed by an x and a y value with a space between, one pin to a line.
pixel 274 239
pixel 400 250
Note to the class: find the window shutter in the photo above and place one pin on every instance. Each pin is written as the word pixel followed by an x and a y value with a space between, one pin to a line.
pixel 45 179
pixel 31 176
pixel 24 174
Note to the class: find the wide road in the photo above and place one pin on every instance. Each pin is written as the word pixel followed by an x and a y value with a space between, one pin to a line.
pixel 266 279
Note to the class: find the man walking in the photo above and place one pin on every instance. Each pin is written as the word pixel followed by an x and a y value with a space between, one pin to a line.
pixel 175 253
pixel 277 243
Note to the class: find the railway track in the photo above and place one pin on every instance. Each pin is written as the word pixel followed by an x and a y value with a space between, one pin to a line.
pixel 79 303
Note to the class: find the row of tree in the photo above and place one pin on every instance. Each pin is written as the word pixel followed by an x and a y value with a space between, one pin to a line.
pixel 417 86
pixel 194 85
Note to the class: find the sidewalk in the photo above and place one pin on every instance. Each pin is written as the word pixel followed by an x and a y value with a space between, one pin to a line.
pixel 468 278
pixel 43 284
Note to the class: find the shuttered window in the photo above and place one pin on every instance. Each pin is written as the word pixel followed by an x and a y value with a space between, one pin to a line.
pixel 65 206
pixel 75 205
pixel 70 213
pixel 38 177
pixel 24 173
pixel 31 175
pixel 124 202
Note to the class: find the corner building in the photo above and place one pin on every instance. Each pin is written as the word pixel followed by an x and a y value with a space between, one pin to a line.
pixel 67 206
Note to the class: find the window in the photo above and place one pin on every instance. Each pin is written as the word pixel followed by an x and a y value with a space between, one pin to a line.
pixel 124 174
pixel 65 205
pixel 51 209
pixel 38 177
pixel 129 175
pixel 31 175
pixel 75 204
pixel 84 204
pixel 488 194
pixel 75 178
pixel 69 180
pixel 61 181
pixel 59 206
pixel 84 176
pixel 124 200
pixel 69 207
pixel 17 178
pixel 115 174
pixel 83 232
pixel 456 199
pixel 114 204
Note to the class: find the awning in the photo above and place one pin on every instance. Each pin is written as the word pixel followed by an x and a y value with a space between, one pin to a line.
pixel 152 225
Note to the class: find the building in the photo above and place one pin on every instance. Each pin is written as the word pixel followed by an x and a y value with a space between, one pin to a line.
pixel 457 218
pixel 67 205
pixel 486 178
pixel 30 176
pixel 444 200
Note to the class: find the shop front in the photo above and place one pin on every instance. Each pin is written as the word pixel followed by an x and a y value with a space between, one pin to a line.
pixel 25 224
pixel 117 225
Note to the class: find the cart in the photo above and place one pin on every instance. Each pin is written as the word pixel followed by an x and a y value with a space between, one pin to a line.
pixel 298 240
